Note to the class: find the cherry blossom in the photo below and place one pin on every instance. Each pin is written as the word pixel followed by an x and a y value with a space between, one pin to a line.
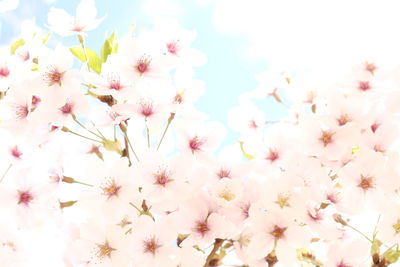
pixel 109 163
pixel 85 19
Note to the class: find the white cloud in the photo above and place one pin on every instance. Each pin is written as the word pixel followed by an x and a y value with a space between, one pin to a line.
pixel 313 32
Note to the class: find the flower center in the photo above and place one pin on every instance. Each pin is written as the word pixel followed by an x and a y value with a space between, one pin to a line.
pixel 67 108
pixel 326 137
pixel 24 197
pixel 227 194
pixel 195 143
pixel 252 124
pixel 364 85
pixel 370 67
pixel 201 227
pixel 396 227
pixel 143 64
pixel 77 26
pixel 151 246
pixel 283 200
pixel 111 189
pixel 224 173
pixel 178 98
pixel 366 182
pixel 53 76
pixel 16 153
pixel 146 109
pixel 124 222
pixel 173 47
pixel 35 101
pixel 343 119
pixel 21 111
pixel 278 232
pixel 104 250
pixel 272 155
pixel 162 177
pixel 114 83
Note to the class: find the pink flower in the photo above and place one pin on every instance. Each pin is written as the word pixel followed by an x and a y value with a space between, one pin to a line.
pixel 274 227
pixel 85 19
pixel 98 244
pixel 200 139
pixel 138 64
pixel 152 243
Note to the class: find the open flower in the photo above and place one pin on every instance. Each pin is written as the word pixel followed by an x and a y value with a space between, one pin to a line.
pixel 153 243
pixel 85 19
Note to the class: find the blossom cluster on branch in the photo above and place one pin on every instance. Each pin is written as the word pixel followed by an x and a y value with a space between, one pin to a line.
pixel 106 162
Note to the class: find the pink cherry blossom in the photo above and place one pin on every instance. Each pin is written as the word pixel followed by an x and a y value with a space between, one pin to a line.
pixel 84 20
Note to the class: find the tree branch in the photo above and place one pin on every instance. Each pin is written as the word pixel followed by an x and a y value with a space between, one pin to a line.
pixel 217 244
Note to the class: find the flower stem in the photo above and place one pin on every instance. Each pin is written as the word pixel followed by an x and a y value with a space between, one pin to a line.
pixel 5 173
pixel 65 129
pixel 84 127
pixel 77 182
pixel 82 42
pixel 142 212
pixel 70 180
pixel 125 132
pixel 166 129
pixel 127 150
pixel 358 231
pixel 98 130
pixel 148 134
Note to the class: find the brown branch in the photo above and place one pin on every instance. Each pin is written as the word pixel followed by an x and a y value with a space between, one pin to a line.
pixel 126 150
pixel 217 244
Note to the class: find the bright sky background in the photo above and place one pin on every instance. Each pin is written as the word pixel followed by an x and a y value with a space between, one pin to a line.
pixel 227 74
pixel 242 38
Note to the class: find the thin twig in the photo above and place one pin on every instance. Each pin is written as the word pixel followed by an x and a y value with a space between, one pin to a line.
pixel 127 150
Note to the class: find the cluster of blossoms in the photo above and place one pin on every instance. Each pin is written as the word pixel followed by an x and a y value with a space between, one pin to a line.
pixel 109 164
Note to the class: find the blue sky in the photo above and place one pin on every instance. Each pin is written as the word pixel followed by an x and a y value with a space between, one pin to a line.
pixel 242 38
pixel 227 73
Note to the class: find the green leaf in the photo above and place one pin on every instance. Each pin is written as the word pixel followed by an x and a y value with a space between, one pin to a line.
pixel 392 256
pixel 247 155
pixel 78 52
pixel 105 51
pixel 47 37
pixel 94 61
pixel 15 45
pixel 110 46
